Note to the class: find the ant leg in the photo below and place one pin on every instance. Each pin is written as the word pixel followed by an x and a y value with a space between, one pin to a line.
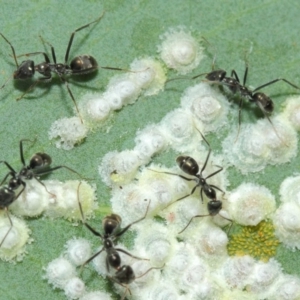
pixel 24 186
pixel 208 154
pixel 217 188
pixel 191 193
pixel 56 168
pixel 82 216
pixel 245 75
pixel 10 228
pixel 126 291
pixel 197 216
pixel 274 81
pixel 204 166
pixel 73 34
pixel 21 148
pixel 115 280
pixel 90 259
pixel 231 223
pixel 116 69
pixel 169 173
pixel 215 50
pixel 12 171
pixel 214 173
pixel 40 182
pixel 152 268
pixel 5 177
pixel 127 253
pixel 73 99
pixel 52 49
pixel 12 49
pixel 129 225
pixel 239 118
pixel 235 75
pixel 268 118
pixel 36 53
pixel 201 195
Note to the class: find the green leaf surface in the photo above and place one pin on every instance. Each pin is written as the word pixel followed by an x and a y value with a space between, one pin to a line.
pixel 128 30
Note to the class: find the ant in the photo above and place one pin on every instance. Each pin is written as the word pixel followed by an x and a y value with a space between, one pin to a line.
pixel 233 83
pixel 189 165
pixel 80 65
pixel 39 165
pixel 111 225
pixel 125 275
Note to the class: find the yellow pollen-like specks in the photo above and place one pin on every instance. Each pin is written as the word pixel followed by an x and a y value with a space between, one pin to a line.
pixel 257 241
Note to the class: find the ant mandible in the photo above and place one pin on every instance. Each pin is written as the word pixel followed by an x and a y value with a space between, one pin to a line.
pixel 80 65
pixel 39 165
pixel 189 165
pixel 111 225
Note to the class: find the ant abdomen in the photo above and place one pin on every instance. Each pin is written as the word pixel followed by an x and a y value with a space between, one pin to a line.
pixel 188 165
pixel 264 102
pixel 83 64
pixel 40 160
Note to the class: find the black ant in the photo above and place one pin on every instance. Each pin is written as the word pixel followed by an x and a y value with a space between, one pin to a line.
pixel 264 103
pixel 233 83
pixel 80 65
pixel 189 165
pixel 111 225
pixel 125 275
pixel 39 165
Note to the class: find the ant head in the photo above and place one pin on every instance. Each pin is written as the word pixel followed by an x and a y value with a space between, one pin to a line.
pixel 111 223
pixel 83 64
pixel 25 70
pixel 125 275
pixel 40 160
pixel 264 102
pixel 214 207
pixel 188 165
pixel 216 76
pixel 7 196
